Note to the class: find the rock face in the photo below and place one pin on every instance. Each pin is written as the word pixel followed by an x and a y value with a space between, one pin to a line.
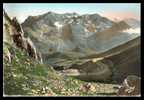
pixel 13 34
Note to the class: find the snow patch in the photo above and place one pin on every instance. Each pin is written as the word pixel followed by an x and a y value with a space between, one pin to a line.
pixel 133 31
pixel 59 26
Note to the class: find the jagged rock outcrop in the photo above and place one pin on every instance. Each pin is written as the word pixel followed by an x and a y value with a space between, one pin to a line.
pixel 13 34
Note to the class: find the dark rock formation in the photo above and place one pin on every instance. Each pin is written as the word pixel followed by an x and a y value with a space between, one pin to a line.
pixel 18 38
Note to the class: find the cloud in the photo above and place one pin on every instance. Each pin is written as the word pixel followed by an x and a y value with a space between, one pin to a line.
pixel 120 15
pixel 133 31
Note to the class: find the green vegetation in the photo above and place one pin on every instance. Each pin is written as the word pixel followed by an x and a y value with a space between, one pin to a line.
pixel 25 76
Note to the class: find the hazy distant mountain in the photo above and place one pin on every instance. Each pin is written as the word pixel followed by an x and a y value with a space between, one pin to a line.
pixel 64 32
pixel 73 34
pixel 133 22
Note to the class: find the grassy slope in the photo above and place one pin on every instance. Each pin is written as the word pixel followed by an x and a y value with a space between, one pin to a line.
pixel 117 50
pixel 25 76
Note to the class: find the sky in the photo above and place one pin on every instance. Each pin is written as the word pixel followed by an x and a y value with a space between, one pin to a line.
pixel 112 11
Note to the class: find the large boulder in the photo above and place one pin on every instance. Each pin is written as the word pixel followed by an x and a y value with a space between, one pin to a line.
pixel 130 86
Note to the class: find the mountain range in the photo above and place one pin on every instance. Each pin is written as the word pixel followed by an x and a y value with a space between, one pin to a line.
pixel 76 35
pixel 84 34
